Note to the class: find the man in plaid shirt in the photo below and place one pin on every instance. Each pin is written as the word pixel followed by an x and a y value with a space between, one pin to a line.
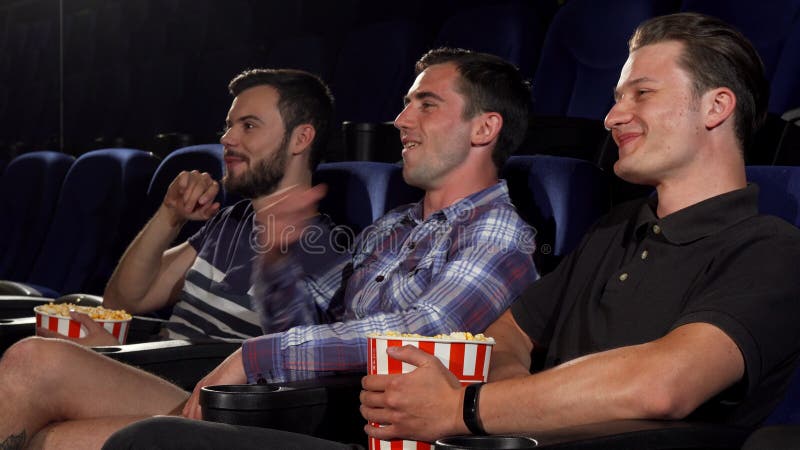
pixel 452 262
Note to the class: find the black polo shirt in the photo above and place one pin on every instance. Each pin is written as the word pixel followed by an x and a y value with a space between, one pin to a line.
pixel 635 277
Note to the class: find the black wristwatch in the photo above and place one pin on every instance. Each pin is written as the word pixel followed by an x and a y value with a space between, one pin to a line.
pixel 471 419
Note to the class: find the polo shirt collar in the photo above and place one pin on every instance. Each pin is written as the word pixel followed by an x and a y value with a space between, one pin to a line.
pixel 701 219
pixel 461 209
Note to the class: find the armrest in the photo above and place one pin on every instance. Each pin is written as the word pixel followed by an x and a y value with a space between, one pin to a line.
pixel 181 362
pixel 13 306
pixel 14 288
pixel 327 407
pixel 81 299
pixel 650 434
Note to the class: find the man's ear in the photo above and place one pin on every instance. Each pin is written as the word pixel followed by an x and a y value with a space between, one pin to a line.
pixel 719 104
pixel 486 128
pixel 302 138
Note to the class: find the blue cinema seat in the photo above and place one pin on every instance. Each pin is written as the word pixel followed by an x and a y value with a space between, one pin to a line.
pixel 766 24
pixel 583 51
pixel 560 197
pixel 785 83
pixel 373 72
pixel 779 190
pixel 203 158
pixel 359 192
pixel 29 189
pixel 513 31
pixel 779 195
pixel 99 212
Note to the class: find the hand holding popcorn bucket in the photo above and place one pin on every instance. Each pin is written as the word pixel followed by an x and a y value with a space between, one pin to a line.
pixel 466 356
pixel 55 317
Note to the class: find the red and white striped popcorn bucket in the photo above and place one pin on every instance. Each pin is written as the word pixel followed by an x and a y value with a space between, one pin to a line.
pixel 74 329
pixel 467 359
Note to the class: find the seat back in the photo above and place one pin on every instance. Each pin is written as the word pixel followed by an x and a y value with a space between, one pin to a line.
pixel 765 24
pixel 29 189
pixel 560 197
pixel 785 84
pixel 99 211
pixel 512 31
pixel 583 52
pixel 359 192
pixel 779 191
pixel 375 69
pixel 779 195
pixel 203 158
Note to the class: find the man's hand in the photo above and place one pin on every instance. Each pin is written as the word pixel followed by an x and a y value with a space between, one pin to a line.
pixel 282 215
pixel 190 196
pixel 96 335
pixel 230 371
pixel 424 405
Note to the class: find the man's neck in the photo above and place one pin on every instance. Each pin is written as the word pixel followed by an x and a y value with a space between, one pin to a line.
pixel 680 193
pixel 452 191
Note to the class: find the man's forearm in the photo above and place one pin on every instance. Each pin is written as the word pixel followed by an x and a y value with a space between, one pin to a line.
pixel 141 263
pixel 663 379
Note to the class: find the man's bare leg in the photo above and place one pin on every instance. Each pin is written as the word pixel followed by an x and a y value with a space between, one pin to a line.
pixel 51 380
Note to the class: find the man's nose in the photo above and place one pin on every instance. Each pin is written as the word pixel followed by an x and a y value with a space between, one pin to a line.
pixel 618 114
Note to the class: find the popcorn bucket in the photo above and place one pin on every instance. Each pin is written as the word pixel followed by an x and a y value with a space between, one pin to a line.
pixel 467 359
pixel 72 328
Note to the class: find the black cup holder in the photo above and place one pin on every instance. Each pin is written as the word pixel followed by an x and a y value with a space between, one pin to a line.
pixel 107 349
pixel 485 443
pixel 327 411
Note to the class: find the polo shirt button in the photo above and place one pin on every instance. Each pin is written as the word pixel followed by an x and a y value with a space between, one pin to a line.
pixel 411 245
pixel 644 254
pixel 379 278
pixel 623 277
pixel 656 229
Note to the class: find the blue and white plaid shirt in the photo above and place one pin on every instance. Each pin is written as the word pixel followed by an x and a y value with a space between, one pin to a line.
pixel 457 270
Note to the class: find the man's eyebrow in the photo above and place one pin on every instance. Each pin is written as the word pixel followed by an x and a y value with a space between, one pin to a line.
pixel 422 95
pixel 228 122
pixel 629 83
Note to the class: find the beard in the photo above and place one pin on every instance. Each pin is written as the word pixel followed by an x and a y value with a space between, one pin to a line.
pixel 262 177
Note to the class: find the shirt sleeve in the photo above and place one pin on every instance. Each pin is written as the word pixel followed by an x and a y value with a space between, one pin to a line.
pixel 751 293
pixel 480 279
pixel 304 286
pixel 197 239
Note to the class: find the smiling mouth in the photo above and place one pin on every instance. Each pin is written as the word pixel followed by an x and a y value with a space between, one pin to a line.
pixel 626 138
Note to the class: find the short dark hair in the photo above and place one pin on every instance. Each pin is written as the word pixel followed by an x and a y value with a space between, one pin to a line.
pixel 489 84
pixel 714 55
pixel 303 98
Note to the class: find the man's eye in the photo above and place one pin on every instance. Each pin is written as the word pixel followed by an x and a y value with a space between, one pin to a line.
pixel 248 125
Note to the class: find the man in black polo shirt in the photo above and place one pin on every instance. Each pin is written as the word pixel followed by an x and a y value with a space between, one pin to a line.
pixel 678 306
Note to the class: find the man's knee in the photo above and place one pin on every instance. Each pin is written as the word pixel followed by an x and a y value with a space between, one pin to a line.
pixel 32 356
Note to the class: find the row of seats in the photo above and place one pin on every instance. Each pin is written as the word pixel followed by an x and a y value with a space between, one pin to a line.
pixel 178 84
pixel 69 220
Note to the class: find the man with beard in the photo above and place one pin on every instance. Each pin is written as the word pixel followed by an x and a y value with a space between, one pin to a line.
pixel 275 132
